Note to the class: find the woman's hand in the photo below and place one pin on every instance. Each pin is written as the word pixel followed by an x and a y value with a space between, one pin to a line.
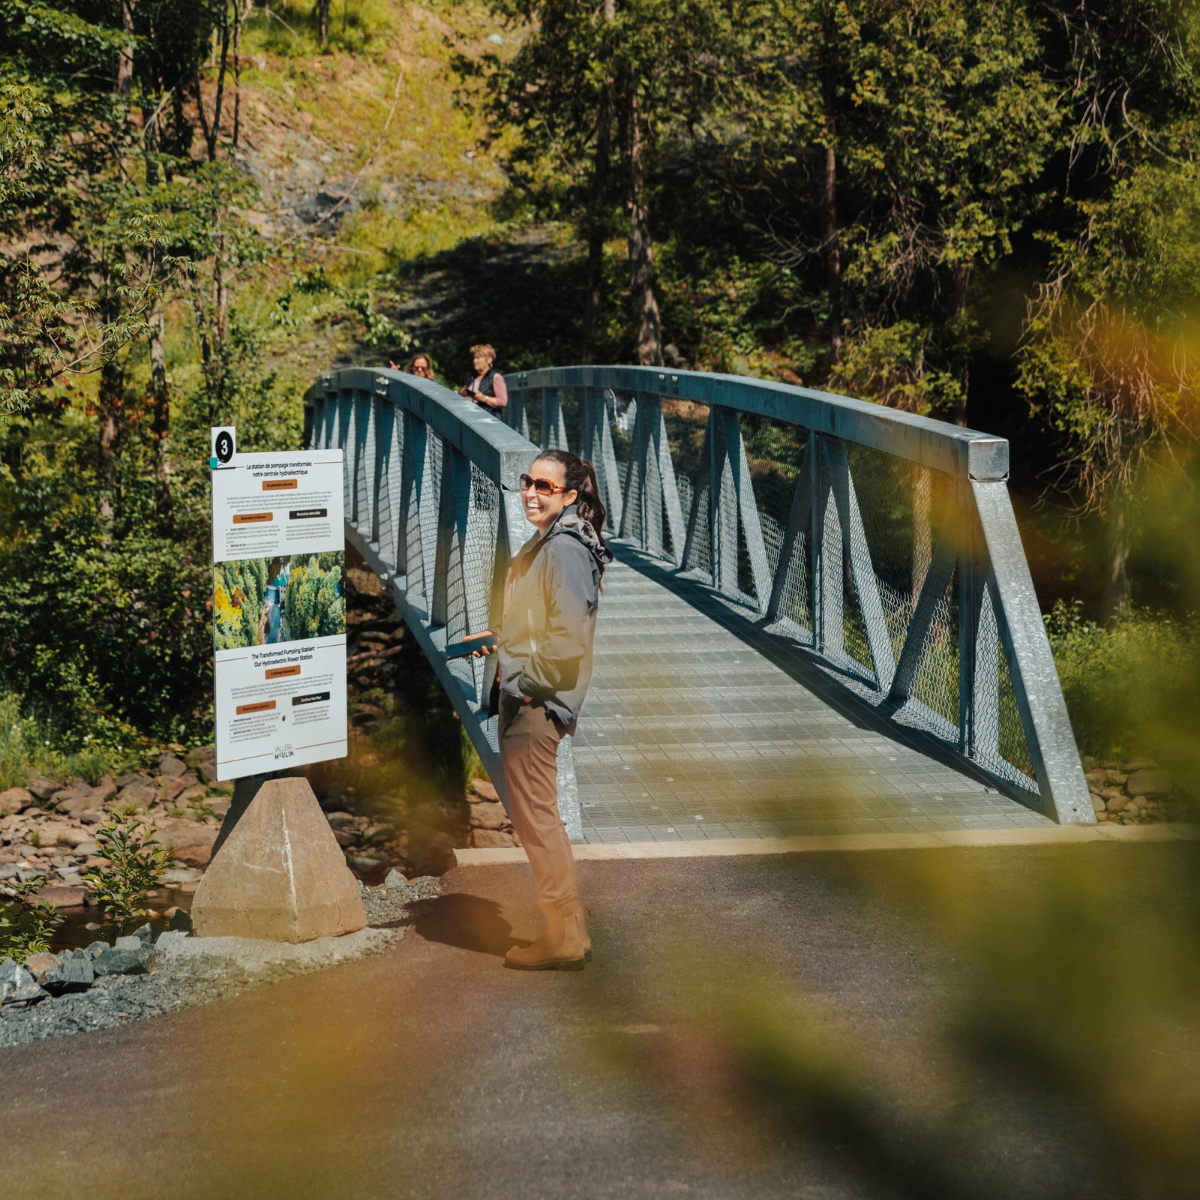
pixel 483 651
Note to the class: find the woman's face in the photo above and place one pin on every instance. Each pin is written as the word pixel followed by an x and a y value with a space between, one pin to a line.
pixel 541 510
pixel 421 367
pixel 482 362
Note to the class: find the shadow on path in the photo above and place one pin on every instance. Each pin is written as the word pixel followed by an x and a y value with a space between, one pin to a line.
pixel 469 923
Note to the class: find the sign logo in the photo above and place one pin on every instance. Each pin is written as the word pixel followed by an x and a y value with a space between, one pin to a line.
pixel 224 445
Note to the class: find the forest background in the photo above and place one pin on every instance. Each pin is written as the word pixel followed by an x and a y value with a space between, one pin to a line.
pixel 984 212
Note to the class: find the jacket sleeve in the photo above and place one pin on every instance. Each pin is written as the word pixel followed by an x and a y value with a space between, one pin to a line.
pixel 571 594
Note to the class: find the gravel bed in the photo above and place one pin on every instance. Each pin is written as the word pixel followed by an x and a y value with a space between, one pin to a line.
pixel 200 970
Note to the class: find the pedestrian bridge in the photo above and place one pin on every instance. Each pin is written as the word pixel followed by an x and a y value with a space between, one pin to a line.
pixel 820 619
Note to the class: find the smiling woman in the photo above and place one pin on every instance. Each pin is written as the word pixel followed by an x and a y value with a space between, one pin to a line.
pixel 545 647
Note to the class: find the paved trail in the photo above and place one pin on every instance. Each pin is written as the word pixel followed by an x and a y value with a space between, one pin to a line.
pixel 432 1072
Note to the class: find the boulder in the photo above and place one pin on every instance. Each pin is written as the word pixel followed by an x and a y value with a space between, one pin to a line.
pixel 378 833
pixel 218 808
pixel 279 873
pixel 194 856
pixel 170 766
pixel 199 755
pixel 76 838
pixel 15 800
pixel 491 838
pixel 1148 782
pixel 124 960
pixel 138 793
pixel 72 802
pixel 488 816
pixel 18 986
pixel 180 836
pixel 38 964
pixel 64 897
pixel 74 973
pixel 43 789
pixel 192 793
pixel 481 789
pixel 93 817
pixel 104 791
pixel 1097 803
pixel 170 786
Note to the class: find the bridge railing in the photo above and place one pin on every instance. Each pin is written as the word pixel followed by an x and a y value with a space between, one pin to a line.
pixel 882 543
pixel 433 505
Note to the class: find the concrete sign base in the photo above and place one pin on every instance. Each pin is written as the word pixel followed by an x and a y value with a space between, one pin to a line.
pixel 278 872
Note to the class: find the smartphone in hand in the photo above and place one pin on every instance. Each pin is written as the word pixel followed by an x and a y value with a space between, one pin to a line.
pixel 482 641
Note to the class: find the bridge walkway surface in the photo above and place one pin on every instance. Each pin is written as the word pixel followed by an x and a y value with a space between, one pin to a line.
pixel 698 726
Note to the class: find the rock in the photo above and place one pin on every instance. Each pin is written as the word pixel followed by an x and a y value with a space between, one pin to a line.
pixel 124 960
pixel 171 766
pixel 95 948
pixel 379 833
pixel 93 817
pixel 481 789
pixel 344 838
pixel 64 897
pixel 1141 764
pixel 218 808
pixel 280 873
pixel 1116 803
pixel 15 800
pixel 201 754
pixel 192 793
pixel 104 791
pixel 193 856
pixel 75 838
pixel 366 864
pixel 488 816
pixel 9 871
pixel 72 802
pixel 1097 802
pixel 129 941
pixel 74 973
pixel 18 986
pixel 490 838
pixel 208 770
pixel 1148 782
pixel 1140 801
pixel 340 820
pixel 181 921
pixel 170 939
pixel 148 934
pixel 38 964
pixel 90 849
pixel 43 789
pixel 139 794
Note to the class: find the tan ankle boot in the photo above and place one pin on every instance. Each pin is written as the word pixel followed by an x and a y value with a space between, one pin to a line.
pixel 565 946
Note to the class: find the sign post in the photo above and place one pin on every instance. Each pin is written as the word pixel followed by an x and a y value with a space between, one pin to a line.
pixel 279 651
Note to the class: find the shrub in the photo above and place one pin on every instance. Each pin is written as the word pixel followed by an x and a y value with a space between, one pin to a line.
pixel 136 863
pixel 25 928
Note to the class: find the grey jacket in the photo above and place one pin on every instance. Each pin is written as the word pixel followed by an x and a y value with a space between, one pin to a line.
pixel 550 601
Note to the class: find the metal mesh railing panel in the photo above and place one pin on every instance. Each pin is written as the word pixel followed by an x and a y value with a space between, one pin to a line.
pixel 1014 746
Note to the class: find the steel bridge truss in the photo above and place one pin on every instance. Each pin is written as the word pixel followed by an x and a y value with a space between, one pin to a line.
pixel 882 543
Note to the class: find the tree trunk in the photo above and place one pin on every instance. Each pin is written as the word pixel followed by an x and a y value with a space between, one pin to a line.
pixel 125 60
pixel 831 239
pixel 162 412
pixel 211 133
pixel 238 18
pixel 323 21
pixel 646 319
pixel 962 283
pixel 594 290
pixel 1116 598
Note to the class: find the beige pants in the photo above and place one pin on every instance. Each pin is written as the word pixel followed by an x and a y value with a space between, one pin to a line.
pixel 529 738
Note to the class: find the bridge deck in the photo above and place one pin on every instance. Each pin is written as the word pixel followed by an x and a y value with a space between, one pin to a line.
pixel 697 726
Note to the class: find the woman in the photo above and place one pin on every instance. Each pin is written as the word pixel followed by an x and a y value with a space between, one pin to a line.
pixel 418 365
pixel 488 388
pixel 545 648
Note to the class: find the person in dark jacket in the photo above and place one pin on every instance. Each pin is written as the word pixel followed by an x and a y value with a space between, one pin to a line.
pixel 487 388
pixel 545 648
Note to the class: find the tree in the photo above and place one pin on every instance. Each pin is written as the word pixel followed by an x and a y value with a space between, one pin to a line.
pixel 1106 360
pixel 594 94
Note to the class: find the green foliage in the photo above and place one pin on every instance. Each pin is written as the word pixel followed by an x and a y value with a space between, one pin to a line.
pixel 27 926
pixel 136 863
pixel 1132 688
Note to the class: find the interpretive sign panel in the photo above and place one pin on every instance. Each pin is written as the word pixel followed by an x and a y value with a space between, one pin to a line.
pixel 279 610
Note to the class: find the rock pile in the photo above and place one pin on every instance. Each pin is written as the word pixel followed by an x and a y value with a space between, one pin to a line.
pixel 49 827
pixel 488 822
pixel 1134 794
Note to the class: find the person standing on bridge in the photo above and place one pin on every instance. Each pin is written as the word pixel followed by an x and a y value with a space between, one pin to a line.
pixel 488 388
pixel 545 645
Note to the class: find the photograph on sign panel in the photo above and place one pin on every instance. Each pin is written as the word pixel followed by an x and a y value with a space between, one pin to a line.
pixel 263 601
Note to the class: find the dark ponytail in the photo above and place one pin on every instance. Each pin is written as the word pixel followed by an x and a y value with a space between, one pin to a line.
pixel 580 476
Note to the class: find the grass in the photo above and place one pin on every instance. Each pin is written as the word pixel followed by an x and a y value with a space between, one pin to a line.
pixel 27 750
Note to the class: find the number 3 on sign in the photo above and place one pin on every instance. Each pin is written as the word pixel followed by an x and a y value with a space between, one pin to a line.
pixel 223 446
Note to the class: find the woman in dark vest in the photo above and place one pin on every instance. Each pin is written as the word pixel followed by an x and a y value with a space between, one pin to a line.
pixel 545 647
pixel 488 388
